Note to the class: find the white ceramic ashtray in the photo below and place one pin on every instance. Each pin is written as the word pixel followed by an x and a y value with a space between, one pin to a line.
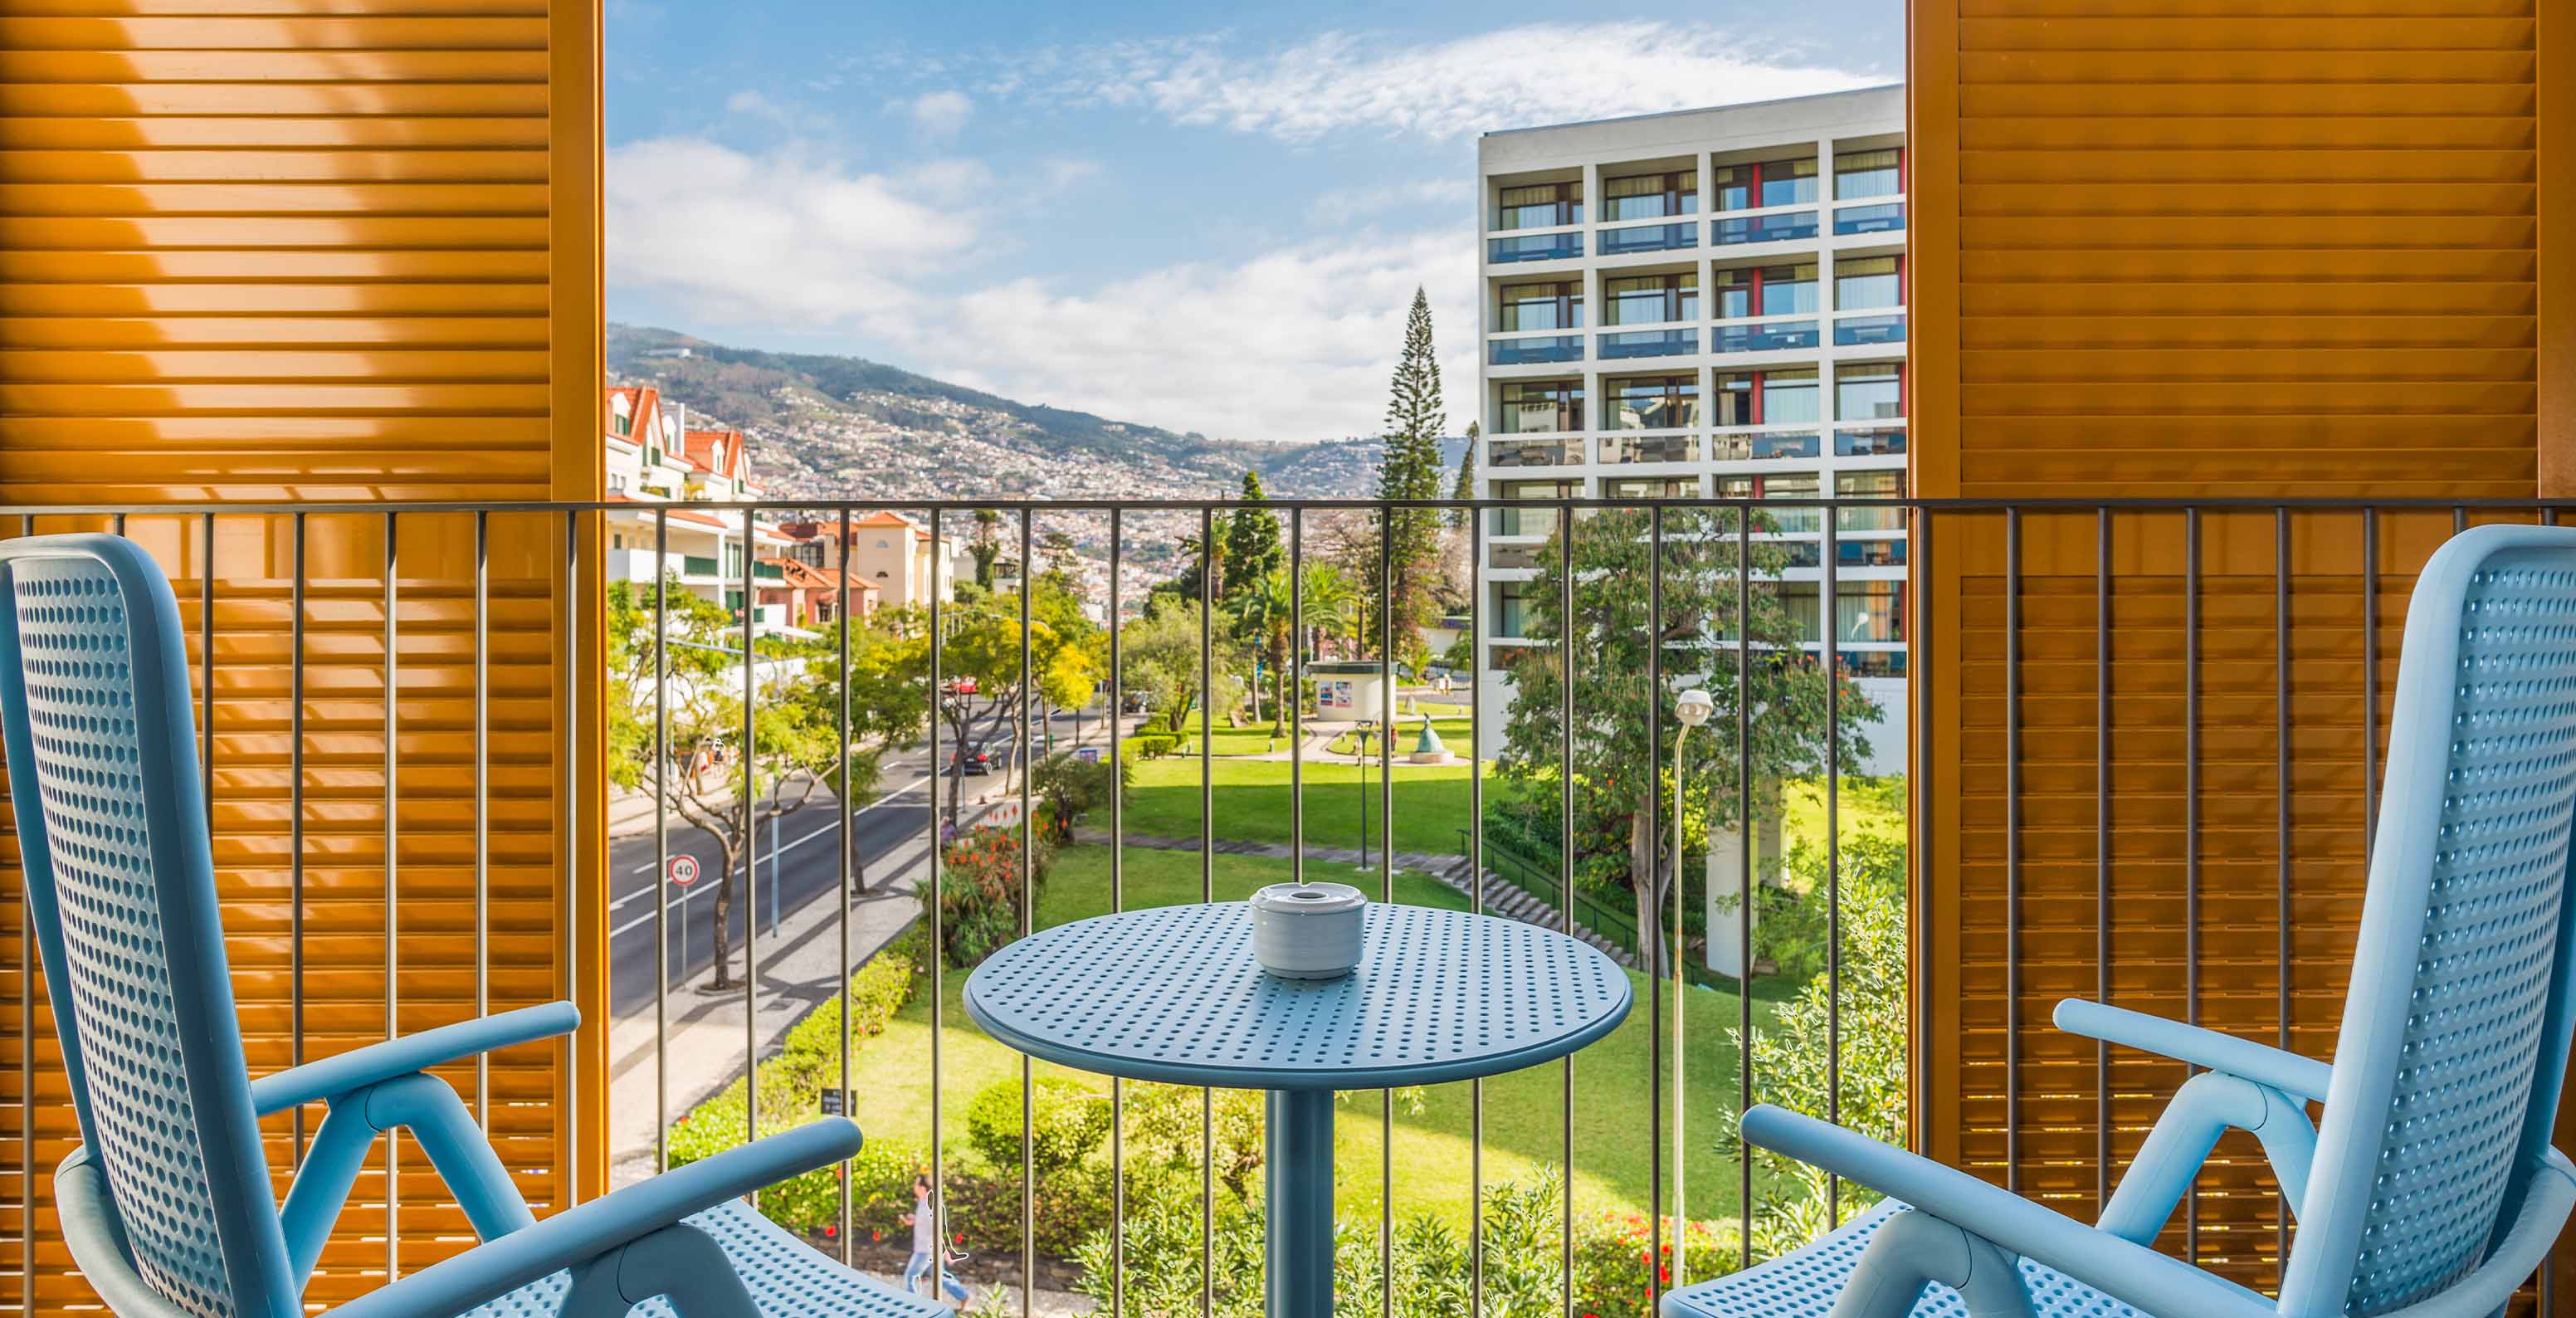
pixel 1307 930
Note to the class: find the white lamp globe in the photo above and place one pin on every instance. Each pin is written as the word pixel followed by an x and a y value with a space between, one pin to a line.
pixel 1695 706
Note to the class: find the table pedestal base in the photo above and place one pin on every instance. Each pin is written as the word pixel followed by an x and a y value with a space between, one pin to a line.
pixel 1298 1174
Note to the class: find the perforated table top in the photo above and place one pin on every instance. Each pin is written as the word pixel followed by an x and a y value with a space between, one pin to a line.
pixel 1172 993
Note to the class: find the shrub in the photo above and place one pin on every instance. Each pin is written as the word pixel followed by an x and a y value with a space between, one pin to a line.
pixel 979 892
pixel 1612 1255
pixel 1163 1134
pixel 1072 787
pixel 1163 1256
pixel 807 1063
pixel 1070 1124
pixel 1072 1205
pixel 1151 745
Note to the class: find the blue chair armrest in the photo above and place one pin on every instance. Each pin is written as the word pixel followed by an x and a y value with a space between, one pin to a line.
pixel 579 1234
pixel 2134 1274
pixel 2299 1077
pixel 331 1077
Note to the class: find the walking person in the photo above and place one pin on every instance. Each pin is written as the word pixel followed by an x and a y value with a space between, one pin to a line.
pixel 928 1250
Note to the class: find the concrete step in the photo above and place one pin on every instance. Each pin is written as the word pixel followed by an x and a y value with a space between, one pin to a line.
pixel 1508 900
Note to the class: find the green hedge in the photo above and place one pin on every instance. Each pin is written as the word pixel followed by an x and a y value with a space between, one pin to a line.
pixel 809 1062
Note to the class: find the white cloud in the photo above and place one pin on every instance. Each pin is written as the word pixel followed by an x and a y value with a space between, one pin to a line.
pixel 941 113
pixel 1293 344
pixel 784 238
pixel 1512 77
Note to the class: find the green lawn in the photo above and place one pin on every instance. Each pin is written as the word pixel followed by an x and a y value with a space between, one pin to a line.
pixel 1524 1112
pixel 1454 733
pixel 1252 802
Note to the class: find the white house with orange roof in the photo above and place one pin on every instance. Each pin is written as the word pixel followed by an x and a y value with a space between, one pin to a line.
pixel 658 463
pixel 887 552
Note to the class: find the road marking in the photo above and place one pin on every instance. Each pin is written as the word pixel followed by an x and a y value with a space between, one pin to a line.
pixel 853 814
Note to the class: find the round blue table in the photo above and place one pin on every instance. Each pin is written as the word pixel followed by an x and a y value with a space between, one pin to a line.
pixel 1173 994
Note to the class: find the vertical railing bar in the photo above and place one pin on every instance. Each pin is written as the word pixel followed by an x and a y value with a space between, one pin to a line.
pixel 2281 830
pixel 393 879
pixel 2012 849
pixel 2191 823
pixel 2459 519
pixel 206 663
pixel 1297 694
pixel 1745 841
pixel 1117 902
pixel 295 830
pixel 1654 951
pixel 1207 886
pixel 2101 849
pixel 118 522
pixel 1475 894
pixel 848 844
pixel 483 832
pixel 1386 883
pixel 2369 681
pixel 662 842
pixel 750 840
pixel 1565 846
pixel 1827 623
pixel 27 1066
pixel 1024 758
pixel 938 917
pixel 573 771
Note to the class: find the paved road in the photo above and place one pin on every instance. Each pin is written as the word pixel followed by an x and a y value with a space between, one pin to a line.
pixel 809 869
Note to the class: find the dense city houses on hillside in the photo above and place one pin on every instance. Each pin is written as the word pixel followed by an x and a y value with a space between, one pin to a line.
pixel 658 463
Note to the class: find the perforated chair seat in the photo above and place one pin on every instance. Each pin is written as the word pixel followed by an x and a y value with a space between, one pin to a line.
pixel 1805 1282
pixel 787 1277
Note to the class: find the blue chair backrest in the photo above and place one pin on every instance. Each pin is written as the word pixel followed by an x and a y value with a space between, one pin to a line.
pixel 121 883
pixel 2455 1030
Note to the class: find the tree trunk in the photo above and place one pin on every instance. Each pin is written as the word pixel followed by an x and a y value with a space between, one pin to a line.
pixel 1644 869
pixel 720 940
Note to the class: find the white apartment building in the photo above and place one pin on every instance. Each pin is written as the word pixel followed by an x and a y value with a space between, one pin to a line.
pixel 653 457
pixel 1707 302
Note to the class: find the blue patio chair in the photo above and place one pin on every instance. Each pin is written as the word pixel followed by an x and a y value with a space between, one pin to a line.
pixel 166 1204
pixel 2430 1190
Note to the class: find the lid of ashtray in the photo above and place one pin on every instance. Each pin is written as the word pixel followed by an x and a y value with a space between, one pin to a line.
pixel 1308 898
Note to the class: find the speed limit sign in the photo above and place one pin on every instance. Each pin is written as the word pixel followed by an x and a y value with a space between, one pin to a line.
pixel 684 870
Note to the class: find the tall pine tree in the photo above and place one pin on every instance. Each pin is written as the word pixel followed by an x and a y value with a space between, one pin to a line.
pixel 1466 487
pixel 1252 548
pixel 1410 469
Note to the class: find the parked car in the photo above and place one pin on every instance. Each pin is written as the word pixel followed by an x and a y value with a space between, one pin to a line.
pixel 973 761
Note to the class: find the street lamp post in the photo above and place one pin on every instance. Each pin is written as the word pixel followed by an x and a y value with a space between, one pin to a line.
pixel 1693 708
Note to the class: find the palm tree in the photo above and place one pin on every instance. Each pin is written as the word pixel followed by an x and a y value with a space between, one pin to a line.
pixel 1332 603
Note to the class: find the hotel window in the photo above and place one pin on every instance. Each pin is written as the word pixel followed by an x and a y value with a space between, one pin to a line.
pixel 1650 299
pixel 1778 485
pixel 1512 601
pixel 1651 402
pixel 1767 398
pixel 1883 484
pixel 1541 307
pixel 1649 487
pixel 1539 205
pixel 1869 391
pixel 1651 196
pixel 1767 183
pixel 1771 290
pixel 1869 611
pixel 1539 406
pixel 1878 173
pixel 1864 282
pixel 1531 521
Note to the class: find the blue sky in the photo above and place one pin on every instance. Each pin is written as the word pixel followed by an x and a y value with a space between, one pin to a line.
pixel 1200 217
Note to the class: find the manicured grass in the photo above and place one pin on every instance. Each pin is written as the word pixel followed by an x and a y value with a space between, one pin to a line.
pixel 1252 803
pixel 1524 1112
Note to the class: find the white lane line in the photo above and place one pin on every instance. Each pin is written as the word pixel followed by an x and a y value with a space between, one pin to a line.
pixel 831 826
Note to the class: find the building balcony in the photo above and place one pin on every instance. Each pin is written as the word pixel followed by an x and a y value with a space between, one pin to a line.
pixel 1763 336
pixel 1852 331
pixel 1764 445
pixel 1521 248
pixel 1620 449
pixel 408 868
pixel 1872 217
pixel 1630 344
pixel 1528 350
pixel 1559 451
pixel 1648 238
pixel 1776 227
pixel 1870 442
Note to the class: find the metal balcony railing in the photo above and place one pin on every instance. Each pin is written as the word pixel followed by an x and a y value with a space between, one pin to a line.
pixel 1701 554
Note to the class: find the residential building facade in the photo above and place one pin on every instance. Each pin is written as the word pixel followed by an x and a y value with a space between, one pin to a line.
pixel 654 457
pixel 1703 303
pixel 887 553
